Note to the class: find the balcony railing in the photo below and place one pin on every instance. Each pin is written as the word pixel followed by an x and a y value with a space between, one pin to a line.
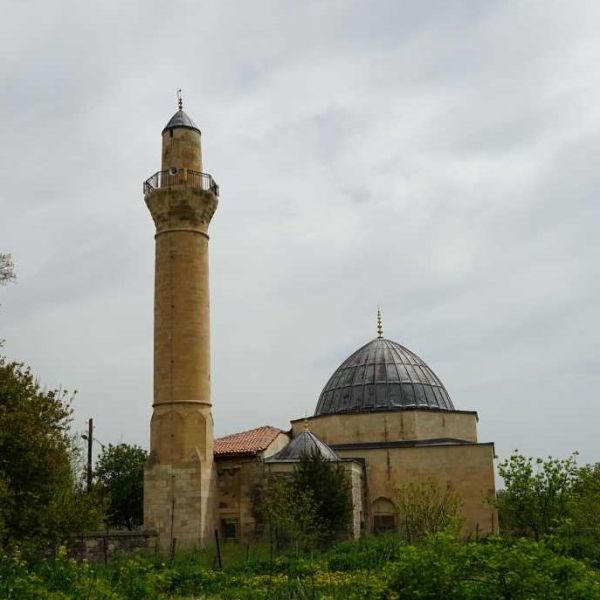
pixel 182 177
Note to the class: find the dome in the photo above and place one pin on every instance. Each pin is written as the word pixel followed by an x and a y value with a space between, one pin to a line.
pixel 382 375
pixel 306 442
pixel 181 119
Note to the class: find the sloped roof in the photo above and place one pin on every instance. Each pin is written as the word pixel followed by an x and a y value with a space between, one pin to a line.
pixel 306 442
pixel 252 441
pixel 181 119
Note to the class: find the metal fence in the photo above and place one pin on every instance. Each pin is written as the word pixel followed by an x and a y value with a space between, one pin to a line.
pixel 181 177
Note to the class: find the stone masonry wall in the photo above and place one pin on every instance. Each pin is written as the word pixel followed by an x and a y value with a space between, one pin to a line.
pixel 101 547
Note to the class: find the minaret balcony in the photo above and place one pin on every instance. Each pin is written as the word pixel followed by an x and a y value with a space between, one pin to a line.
pixel 174 178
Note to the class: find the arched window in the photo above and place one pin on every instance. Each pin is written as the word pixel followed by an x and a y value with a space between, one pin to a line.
pixel 384 515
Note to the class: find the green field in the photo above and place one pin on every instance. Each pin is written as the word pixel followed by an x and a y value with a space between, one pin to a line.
pixel 380 568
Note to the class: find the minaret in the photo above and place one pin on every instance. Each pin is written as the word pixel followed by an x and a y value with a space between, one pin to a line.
pixel 179 483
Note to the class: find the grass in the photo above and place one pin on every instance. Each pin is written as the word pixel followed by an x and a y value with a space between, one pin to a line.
pixel 380 568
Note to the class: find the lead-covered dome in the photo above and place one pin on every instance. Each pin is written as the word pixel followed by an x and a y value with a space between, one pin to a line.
pixel 382 375
pixel 307 442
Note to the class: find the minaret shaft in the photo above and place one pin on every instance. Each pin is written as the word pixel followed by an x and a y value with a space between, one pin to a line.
pixel 181 318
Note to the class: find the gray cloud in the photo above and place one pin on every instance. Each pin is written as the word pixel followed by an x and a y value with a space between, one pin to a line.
pixel 437 158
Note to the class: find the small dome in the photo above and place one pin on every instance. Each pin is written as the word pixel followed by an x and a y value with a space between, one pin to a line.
pixel 382 375
pixel 306 442
pixel 181 119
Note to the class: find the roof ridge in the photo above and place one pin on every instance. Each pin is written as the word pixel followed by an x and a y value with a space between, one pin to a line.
pixel 249 431
pixel 251 441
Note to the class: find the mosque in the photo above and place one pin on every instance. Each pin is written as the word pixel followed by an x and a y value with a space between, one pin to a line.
pixel 383 414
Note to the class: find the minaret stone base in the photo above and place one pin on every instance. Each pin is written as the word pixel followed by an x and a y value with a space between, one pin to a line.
pixel 179 504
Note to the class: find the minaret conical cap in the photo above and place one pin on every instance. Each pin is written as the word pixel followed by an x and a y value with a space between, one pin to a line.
pixel 181 120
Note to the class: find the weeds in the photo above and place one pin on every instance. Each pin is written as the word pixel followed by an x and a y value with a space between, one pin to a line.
pixel 377 568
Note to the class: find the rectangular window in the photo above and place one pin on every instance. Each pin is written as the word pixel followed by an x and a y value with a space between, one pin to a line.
pixel 229 529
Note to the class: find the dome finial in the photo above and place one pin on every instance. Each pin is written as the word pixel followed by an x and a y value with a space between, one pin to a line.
pixel 305 421
pixel 379 324
pixel 179 99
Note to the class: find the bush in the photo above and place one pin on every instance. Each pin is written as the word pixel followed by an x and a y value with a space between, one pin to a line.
pixel 497 569
pixel 369 553
pixel 329 487
pixel 426 508
pixel 379 568
pixel 537 492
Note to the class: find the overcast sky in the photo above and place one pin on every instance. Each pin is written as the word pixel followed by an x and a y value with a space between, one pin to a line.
pixel 440 159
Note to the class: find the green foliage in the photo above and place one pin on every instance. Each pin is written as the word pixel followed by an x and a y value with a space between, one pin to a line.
pixel 328 486
pixel 289 514
pixel 41 500
pixel 552 499
pixel 498 569
pixel 119 476
pixel 54 579
pixel 425 508
pixel 440 567
pixel 307 509
pixel 372 553
pixel 4 504
pixel 537 493
pixel 41 497
pixel 579 533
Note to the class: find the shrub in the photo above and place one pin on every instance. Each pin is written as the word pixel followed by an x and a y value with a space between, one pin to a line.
pixel 426 508
pixel 498 569
pixel 537 492
pixel 381 568
pixel 329 487
pixel 369 553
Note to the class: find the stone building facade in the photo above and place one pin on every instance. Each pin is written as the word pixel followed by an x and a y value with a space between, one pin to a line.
pixel 383 414
pixel 410 432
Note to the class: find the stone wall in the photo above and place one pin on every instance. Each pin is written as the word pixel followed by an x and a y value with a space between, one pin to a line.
pixel 385 426
pixel 103 546
pixel 400 447
pixel 467 468
pixel 237 480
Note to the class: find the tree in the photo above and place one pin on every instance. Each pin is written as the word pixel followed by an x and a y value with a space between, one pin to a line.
pixel 309 507
pixel 580 531
pixel 119 475
pixel 289 515
pixel 40 496
pixel 329 487
pixel 7 271
pixel 425 508
pixel 537 493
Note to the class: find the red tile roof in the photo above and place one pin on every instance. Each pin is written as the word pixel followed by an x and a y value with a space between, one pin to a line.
pixel 246 442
